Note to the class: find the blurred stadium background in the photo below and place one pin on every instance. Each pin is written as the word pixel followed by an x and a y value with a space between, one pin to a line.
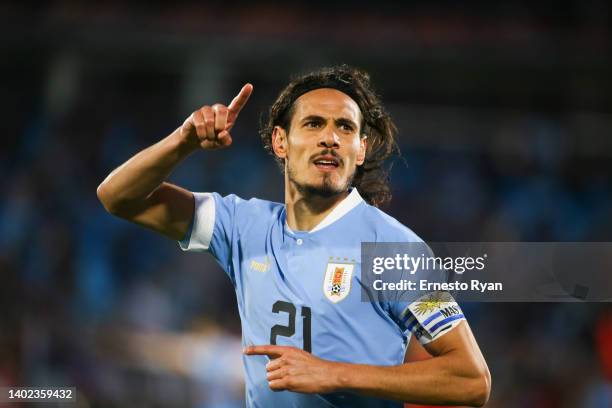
pixel 505 117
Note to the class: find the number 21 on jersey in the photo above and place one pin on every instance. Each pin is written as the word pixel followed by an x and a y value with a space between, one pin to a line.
pixel 289 330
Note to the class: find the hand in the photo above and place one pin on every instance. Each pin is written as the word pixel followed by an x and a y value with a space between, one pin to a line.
pixel 209 126
pixel 293 369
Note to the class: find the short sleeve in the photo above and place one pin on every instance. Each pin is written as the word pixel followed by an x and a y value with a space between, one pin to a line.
pixel 200 231
pixel 212 227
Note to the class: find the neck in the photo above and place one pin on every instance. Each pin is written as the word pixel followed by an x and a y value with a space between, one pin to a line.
pixel 304 212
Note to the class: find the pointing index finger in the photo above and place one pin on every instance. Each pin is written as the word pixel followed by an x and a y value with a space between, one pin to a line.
pixel 241 99
pixel 268 350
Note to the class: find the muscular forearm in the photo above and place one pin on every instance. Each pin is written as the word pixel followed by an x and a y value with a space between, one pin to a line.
pixel 137 178
pixel 443 380
pixel 457 375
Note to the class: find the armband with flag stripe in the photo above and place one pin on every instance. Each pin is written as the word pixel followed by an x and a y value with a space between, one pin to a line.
pixel 431 316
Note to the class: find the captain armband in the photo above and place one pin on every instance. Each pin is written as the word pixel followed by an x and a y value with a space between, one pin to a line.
pixel 431 316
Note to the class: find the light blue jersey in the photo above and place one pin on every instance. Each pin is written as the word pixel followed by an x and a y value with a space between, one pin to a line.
pixel 302 289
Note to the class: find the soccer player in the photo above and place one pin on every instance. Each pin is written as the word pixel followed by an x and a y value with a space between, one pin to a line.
pixel 309 339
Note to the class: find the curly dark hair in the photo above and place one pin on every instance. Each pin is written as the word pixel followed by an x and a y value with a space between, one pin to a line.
pixel 371 178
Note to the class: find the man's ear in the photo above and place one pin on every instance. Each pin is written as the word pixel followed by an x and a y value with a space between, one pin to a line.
pixel 279 142
pixel 363 147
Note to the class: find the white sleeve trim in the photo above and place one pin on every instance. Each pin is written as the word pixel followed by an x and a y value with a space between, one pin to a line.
pixel 202 225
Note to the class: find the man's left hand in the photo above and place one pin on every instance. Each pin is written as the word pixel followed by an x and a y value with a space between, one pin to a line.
pixel 293 369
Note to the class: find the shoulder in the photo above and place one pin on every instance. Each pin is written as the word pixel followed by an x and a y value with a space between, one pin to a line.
pixel 249 208
pixel 388 229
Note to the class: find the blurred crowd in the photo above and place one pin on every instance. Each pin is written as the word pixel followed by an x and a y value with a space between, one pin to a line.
pixel 129 320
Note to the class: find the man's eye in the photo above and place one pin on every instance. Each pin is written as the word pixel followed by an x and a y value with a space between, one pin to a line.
pixel 346 127
pixel 312 124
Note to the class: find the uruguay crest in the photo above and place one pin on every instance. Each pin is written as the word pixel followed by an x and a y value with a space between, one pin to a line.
pixel 337 282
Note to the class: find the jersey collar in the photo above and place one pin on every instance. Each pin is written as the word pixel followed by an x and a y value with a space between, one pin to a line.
pixel 351 201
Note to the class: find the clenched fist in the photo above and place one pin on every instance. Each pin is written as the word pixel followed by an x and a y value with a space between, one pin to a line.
pixel 210 126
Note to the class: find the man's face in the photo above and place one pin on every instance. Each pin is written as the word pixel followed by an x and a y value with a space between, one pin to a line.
pixel 324 145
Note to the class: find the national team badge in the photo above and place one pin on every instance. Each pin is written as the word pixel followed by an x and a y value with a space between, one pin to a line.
pixel 337 282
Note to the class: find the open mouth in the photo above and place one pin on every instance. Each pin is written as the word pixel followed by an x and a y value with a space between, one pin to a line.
pixel 327 163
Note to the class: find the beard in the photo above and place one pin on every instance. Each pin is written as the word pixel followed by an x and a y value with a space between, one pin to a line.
pixel 326 188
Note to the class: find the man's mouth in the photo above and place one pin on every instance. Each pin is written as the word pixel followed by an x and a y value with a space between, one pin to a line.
pixel 326 162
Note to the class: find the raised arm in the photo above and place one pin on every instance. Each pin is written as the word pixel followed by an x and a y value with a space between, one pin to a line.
pixel 137 191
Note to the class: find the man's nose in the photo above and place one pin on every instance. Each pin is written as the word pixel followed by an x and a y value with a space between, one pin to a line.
pixel 329 138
